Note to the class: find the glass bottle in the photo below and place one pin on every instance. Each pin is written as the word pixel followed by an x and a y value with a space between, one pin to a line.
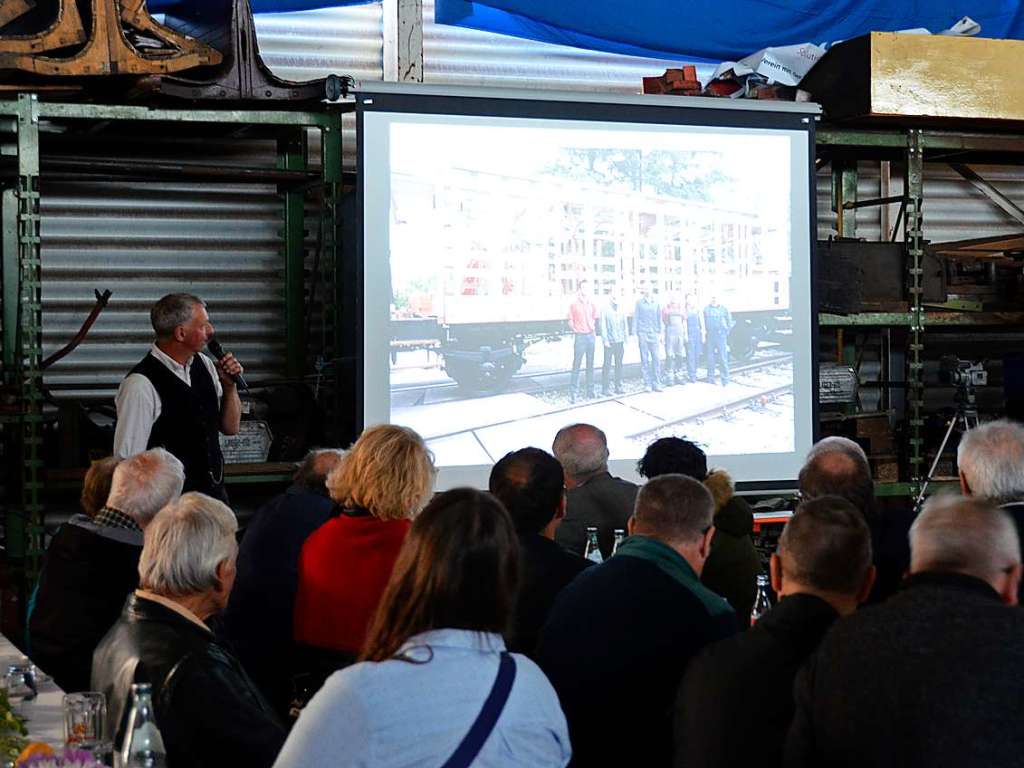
pixel 762 602
pixel 143 746
pixel 620 536
pixel 593 551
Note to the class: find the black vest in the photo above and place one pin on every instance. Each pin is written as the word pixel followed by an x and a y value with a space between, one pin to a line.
pixel 189 423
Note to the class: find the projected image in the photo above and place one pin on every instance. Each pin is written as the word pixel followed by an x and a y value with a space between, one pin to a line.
pixel 637 280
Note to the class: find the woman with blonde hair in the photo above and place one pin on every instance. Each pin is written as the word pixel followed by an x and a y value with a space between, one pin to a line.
pixel 437 687
pixel 379 485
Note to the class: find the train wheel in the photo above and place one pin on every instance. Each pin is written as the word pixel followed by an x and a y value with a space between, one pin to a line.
pixel 481 378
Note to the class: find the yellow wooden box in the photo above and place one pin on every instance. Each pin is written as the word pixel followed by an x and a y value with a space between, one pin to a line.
pixel 884 74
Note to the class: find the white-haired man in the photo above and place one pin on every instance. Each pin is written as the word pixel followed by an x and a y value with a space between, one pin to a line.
pixel 209 712
pixel 178 398
pixel 593 496
pixel 991 464
pixel 933 676
pixel 92 565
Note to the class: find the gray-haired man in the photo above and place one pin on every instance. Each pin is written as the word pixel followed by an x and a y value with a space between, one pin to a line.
pixel 991 463
pixel 92 565
pixel 178 398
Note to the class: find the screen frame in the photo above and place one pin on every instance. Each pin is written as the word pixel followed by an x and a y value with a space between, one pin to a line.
pixel 568 106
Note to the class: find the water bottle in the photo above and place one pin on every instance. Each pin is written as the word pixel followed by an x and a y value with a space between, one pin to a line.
pixel 620 536
pixel 143 745
pixel 762 603
pixel 593 551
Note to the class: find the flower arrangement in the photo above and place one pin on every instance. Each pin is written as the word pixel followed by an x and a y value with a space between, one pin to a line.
pixel 12 730
pixel 67 758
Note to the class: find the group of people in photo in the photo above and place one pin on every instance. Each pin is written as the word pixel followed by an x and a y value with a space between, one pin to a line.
pixel 673 338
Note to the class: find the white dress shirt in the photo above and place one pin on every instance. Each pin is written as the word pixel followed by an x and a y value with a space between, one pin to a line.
pixel 138 404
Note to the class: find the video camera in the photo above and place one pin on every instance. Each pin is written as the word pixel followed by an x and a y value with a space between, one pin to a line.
pixel 962 373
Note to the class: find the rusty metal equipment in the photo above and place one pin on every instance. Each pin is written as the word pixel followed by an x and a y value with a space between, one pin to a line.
pixel 243 76
pixel 65 30
pixel 13 9
pixel 108 51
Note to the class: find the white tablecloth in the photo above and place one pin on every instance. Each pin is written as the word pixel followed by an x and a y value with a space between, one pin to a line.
pixel 45 713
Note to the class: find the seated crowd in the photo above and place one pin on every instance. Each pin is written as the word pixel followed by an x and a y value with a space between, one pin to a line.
pixel 362 620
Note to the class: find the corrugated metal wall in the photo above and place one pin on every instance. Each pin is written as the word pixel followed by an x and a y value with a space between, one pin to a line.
pixel 143 240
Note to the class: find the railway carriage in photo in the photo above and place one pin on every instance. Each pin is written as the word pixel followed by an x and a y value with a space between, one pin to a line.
pixel 482 270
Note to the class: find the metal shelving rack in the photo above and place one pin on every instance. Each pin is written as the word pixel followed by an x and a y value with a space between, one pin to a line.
pixel 20 119
pixel 912 147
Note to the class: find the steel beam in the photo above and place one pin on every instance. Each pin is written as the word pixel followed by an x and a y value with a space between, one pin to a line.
pixel 989 191
pixel 914 192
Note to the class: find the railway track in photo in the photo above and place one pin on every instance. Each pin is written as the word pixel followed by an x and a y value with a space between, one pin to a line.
pixel 553 383
pixel 752 385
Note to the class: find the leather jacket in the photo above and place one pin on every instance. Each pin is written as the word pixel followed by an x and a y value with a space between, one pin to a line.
pixel 208 710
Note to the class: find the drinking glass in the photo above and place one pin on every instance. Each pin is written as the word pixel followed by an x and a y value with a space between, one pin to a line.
pixel 85 715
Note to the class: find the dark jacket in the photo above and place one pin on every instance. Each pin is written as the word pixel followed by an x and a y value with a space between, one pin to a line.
pixel 615 648
pixel 88 572
pixel 733 565
pixel 604 502
pixel 544 570
pixel 258 619
pixel 1015 509
pixel 208 710
pixel 736 701
pixel 890 550
pixel 933 677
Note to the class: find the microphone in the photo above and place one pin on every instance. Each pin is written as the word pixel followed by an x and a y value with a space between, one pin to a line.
pixel 218 351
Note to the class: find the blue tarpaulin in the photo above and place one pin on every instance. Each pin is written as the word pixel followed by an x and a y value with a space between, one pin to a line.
pixel 686 29
pixel 718 30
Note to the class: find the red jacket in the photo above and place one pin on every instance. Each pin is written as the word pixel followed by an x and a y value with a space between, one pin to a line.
pixel 343 569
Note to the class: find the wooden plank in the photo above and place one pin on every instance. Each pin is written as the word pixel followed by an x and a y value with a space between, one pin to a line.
pixel 65 31
pixel 14 9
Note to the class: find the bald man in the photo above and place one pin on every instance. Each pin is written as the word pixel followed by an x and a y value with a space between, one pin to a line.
pixel 837 466
pixel 593 496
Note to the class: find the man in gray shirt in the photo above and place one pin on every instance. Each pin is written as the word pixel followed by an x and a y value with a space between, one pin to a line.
pixel 614 330
pixel 647 321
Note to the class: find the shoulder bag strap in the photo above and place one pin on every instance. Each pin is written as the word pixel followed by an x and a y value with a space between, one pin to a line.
pixel 473 741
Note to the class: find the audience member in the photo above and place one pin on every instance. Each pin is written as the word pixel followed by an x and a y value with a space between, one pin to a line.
pixel 96 486
pixel 991 462
pixel 208 710
pixel 736 701
pixel 91 566
pixel 380 484
pixel 530 483
pixel 837 466
pixel 258 619
pixel 933 676
pixel 621 634
pixel 594 498
pixel 733 565
pixel 436 679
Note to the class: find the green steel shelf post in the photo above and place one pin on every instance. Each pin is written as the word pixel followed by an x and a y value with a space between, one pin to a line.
pixel 30 333
pixel 292 156
pixel 915 254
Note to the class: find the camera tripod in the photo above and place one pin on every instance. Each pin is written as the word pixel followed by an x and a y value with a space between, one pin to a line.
pixel 967 416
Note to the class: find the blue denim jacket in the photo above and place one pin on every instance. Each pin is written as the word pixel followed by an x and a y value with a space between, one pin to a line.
pixel 400 713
